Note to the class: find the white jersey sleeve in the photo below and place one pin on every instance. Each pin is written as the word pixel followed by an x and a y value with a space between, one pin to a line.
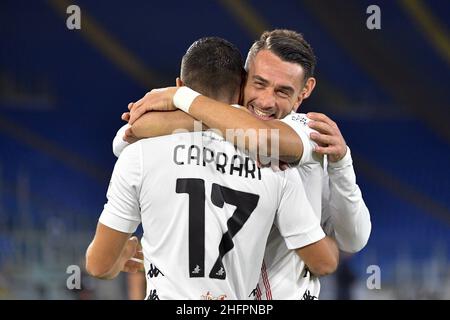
pixel 122 211
pixel 345 215
pixel 295 217
pixel 298 122
pixel 118 143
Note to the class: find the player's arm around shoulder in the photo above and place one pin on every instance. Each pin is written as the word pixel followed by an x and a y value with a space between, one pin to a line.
pixel 156 123
pixel 242 124
pixel 280 140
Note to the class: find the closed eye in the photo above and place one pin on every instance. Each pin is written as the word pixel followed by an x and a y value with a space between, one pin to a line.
pixel 258 85
pixel 283 94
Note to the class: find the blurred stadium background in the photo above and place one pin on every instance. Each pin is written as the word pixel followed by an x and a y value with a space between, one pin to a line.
pixel 62 93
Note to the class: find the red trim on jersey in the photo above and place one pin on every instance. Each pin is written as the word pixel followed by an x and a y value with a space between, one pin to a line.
pixel 266 282
pixel 258 292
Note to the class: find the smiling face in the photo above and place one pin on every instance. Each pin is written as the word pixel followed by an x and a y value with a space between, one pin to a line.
pixel 274 87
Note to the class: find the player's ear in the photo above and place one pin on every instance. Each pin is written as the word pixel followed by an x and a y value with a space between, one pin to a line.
pixel 305 92
pixel 309 87
pixel 179 82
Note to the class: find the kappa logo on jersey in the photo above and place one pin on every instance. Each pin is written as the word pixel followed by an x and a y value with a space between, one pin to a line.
pixel 209 296
pixel 153 295
pixel 307 296
pixel 221 273
pixel 196 270
pixel 153 271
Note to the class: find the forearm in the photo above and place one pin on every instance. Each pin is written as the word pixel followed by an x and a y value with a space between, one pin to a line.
pixel 112 273
pixel 352 228
pixel 350 217
pixel 101 267
pixel 107 253
pixel 325 268
pixel 333 248
pixel 155 123
pixel 321 257
pixel 269 138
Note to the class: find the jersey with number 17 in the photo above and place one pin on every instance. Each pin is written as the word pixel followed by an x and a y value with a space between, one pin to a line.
pixel 206 210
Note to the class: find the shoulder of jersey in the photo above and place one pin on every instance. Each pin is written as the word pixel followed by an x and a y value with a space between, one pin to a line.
pixel 174 136
pixel 299 117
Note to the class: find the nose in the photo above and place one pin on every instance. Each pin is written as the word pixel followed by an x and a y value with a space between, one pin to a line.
pixel 267 99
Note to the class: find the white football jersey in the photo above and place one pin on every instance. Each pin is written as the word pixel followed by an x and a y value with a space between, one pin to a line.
pixel 206 210
pixel 283 274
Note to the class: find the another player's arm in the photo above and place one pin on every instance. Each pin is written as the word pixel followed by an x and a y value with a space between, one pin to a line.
pixel 156 123
pixel 301 229
pixel 222 116
pixel 112 248
pixel 108 252
pixel 321 257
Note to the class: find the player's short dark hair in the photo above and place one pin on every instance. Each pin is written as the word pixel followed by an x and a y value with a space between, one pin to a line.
pixel 214 67
pixel 289 46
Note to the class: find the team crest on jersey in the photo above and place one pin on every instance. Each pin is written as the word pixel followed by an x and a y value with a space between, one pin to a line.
pixel 209 296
